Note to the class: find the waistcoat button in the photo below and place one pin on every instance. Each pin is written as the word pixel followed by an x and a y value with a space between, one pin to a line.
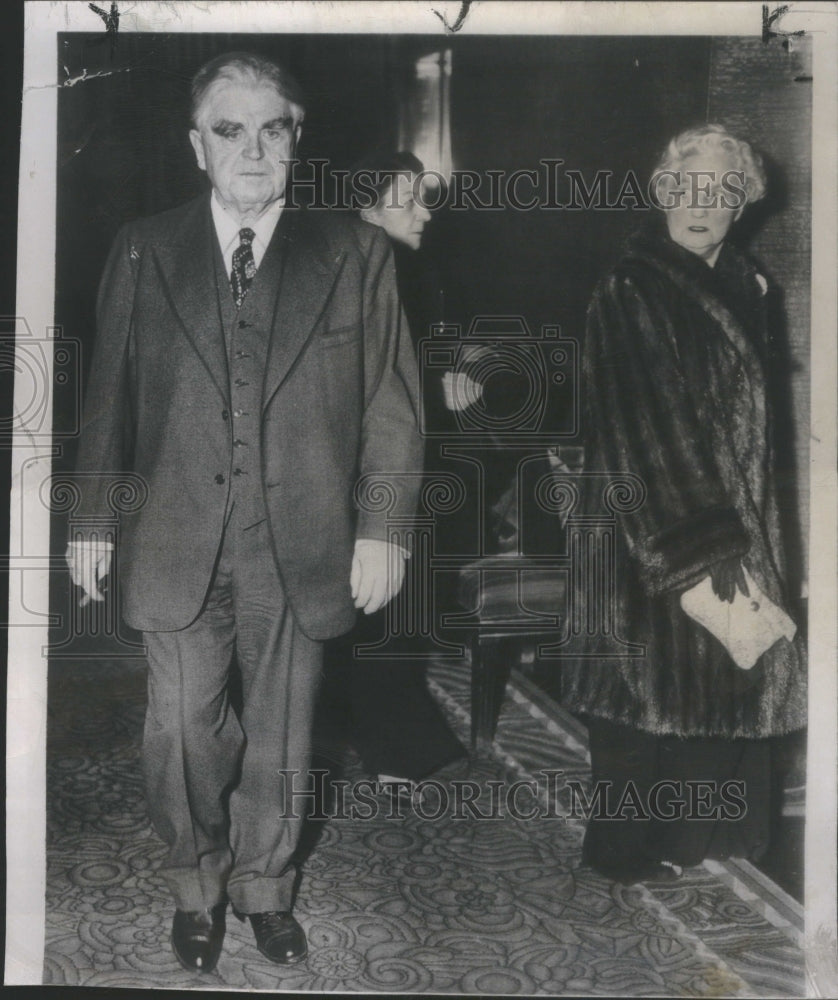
pixel 219 479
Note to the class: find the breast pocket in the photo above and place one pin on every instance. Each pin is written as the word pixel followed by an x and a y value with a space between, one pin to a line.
pixel 339 335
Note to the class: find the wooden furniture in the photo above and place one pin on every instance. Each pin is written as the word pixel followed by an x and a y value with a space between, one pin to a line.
pixel 511 600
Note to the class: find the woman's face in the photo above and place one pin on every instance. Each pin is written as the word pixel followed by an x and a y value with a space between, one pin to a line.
pixel 399 214
pixel 704 207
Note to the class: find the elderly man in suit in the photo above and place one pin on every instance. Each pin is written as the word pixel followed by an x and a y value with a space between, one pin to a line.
pixel 251 364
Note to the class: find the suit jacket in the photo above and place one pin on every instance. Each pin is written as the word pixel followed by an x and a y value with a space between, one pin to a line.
pixel 339 401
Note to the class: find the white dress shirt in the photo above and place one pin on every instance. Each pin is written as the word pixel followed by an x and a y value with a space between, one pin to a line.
pixel 227 230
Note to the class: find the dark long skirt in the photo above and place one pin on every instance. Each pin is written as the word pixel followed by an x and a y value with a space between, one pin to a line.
pixel 674 799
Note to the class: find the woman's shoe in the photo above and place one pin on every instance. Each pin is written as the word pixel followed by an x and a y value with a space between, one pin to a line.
pixel 654 871
pixel 643 871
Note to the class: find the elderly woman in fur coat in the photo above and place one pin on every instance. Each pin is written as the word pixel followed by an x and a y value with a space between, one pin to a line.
pixel 674 385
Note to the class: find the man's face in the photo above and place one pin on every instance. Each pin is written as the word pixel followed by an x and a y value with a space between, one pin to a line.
pixel 246 134
pixel 399 214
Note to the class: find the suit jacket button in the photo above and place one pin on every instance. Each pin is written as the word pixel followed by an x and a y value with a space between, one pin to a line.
pixel 219 479
pixel 225 414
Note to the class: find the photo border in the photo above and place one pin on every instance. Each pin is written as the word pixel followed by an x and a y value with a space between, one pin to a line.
pixel 27 638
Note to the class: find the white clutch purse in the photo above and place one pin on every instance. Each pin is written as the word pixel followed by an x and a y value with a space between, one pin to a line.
pixel 746 627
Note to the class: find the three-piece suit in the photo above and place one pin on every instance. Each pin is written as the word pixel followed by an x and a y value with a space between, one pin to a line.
pixel 250 427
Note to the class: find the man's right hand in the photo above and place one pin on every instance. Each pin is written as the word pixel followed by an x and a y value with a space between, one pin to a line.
pixel 89 562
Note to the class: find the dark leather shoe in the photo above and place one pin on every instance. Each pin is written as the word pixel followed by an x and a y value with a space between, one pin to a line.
pixel 278 937
pixel 197 937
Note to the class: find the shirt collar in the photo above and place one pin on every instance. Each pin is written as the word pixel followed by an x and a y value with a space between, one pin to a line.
pixel 228 228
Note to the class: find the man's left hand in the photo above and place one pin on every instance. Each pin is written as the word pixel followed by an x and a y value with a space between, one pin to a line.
pixel 377 573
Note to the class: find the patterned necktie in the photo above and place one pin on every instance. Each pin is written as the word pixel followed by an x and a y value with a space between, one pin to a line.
pixel 244 266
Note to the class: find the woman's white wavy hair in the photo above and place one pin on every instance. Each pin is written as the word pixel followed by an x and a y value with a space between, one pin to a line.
pixel 712 139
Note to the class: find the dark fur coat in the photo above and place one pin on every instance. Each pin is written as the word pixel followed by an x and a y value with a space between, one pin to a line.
pixel 674 392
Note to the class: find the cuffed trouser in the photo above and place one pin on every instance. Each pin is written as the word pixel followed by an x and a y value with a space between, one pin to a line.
pixel 213 786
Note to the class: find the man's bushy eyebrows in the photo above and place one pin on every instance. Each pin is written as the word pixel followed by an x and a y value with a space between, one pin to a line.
pixel 282 120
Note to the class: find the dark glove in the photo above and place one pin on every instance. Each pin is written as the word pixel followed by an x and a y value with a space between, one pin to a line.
pixel 725 577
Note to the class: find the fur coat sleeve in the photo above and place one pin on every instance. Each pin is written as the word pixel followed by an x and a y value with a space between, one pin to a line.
pixel 647 415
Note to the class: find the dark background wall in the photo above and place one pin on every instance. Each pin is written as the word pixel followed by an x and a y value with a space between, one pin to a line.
pixel 597 103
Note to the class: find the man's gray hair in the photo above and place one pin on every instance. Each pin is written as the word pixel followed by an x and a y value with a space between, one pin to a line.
pixel 249 67
pixel 711 139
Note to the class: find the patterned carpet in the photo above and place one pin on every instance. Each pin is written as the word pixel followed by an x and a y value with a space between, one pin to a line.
pixel 452 904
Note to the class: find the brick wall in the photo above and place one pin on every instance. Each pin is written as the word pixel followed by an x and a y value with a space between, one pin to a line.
pixel 763 93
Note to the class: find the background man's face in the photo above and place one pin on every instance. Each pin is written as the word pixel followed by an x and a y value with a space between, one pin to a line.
pixel 399 214
pixel 246 134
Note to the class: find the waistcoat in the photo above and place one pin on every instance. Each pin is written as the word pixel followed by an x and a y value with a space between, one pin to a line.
pixel 247 332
